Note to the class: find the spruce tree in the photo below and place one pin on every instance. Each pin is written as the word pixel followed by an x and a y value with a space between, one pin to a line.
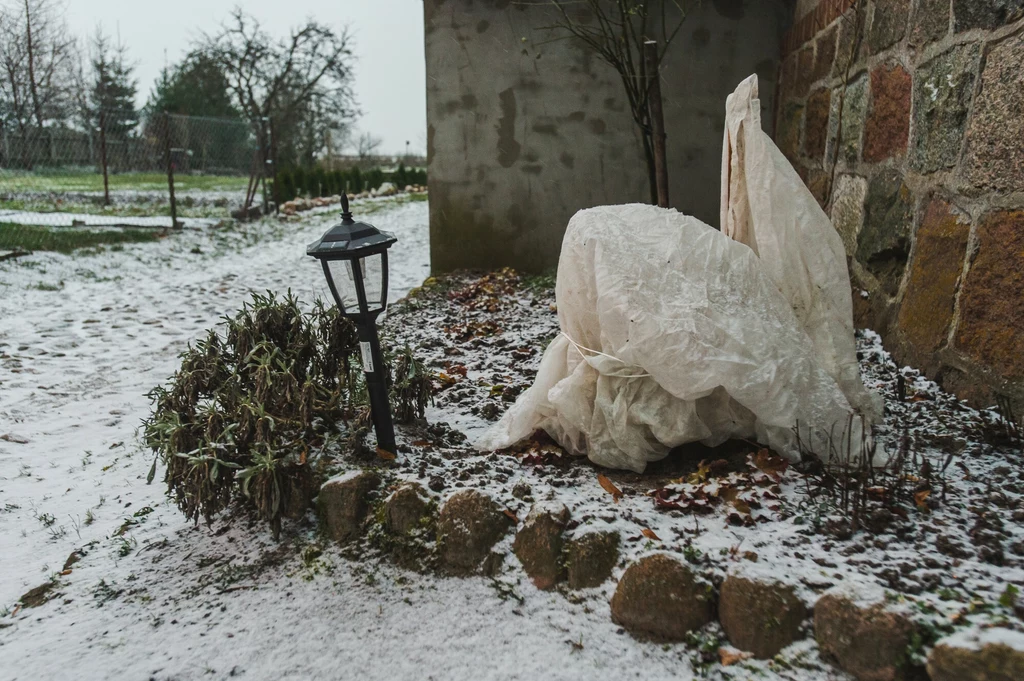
pixel 113 90
pixel 196 86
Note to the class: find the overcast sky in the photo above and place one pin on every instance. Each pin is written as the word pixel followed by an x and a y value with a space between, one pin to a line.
pixel 390 70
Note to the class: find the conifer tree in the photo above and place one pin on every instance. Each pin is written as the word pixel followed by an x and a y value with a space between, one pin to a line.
pixel 113 88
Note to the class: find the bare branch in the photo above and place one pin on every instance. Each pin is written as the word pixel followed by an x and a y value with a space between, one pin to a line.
pixel 618 38
pixel 303 81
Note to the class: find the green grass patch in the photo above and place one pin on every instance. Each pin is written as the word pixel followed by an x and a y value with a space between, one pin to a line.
pixel 540 284
pixel 122 210
pixel 66 239
pixel 93 182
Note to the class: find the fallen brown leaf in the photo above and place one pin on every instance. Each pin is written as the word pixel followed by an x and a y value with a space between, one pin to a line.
pixel 770 464
pixel 609 487
pixel 731 495
pixel 701 475
pixel 457 370
pixel 730 656
pixel 385 454
pixel 649 533
pixel 511 516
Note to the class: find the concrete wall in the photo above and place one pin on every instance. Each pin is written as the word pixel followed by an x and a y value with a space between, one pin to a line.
pixel 524 129
pixel 905 122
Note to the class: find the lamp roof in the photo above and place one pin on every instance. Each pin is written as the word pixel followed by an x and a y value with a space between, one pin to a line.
pixel 350 239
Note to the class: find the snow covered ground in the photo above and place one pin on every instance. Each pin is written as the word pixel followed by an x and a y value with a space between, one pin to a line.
pixel 84 337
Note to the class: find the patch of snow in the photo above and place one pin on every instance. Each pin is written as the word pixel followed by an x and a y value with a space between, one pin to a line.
pixel 344 477
pixel 978 638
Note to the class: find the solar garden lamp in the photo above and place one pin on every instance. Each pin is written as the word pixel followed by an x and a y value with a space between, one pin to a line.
pixel 354 256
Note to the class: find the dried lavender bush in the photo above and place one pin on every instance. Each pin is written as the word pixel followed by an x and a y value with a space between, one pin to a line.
pixel 251 414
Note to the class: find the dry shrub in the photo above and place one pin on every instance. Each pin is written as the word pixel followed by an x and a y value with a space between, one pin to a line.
pixel 254 407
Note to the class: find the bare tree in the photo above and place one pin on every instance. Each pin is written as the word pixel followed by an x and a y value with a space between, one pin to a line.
pixel 37 58
pixel 616 30
pixel 367 145
pixel 14 98
pixel 303 81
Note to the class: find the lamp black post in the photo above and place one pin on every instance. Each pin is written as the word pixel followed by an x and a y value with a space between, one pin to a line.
pixel 354 256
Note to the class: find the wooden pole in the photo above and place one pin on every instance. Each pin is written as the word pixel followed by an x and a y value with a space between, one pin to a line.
pixel 103 158
pixel 657 120
pixel 170 169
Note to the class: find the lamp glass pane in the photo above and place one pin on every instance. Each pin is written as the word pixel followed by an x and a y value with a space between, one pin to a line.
pixel 344 282
pixel 373 280
pixel 372 271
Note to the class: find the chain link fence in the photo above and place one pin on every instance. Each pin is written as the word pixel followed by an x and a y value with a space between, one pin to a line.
pixel 160 170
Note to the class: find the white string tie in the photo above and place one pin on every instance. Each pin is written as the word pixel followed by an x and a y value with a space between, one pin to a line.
pixel 581 348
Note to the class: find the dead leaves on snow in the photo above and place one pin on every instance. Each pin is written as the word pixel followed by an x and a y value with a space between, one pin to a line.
pixel 464 332
pixel 489 293
pixel 711 487
pixel 540 450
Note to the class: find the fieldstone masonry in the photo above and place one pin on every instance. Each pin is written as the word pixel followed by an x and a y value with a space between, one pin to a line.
pixel 927 309
pixel 855 107
pixel 819 105
pixel 991 327
pixel 888 123
pixel 995 156
pixel 942 99
pixel 931 21
pixel 904 119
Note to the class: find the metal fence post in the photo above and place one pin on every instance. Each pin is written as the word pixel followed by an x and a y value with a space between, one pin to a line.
pixel 103 159
pixel 273 165
pixel 267 160
pixel 263 175
pixel 170 169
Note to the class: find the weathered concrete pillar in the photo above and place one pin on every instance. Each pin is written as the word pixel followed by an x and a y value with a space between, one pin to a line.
pixel 524 129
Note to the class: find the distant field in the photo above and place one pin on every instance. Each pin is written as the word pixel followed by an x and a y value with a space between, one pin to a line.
pixel 66 239
pixel 93 182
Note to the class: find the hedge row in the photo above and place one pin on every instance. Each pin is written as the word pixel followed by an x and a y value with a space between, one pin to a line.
pixel 320 182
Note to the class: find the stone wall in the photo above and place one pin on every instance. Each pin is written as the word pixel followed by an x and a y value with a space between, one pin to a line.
pixel 906 120
pixel 524 127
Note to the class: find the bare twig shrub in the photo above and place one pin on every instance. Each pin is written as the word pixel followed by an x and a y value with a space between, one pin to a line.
pixel 869 490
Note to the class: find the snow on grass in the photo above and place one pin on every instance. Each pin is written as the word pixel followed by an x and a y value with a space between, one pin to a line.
pixel 62 219
pixel 93 182
pixel 85 336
